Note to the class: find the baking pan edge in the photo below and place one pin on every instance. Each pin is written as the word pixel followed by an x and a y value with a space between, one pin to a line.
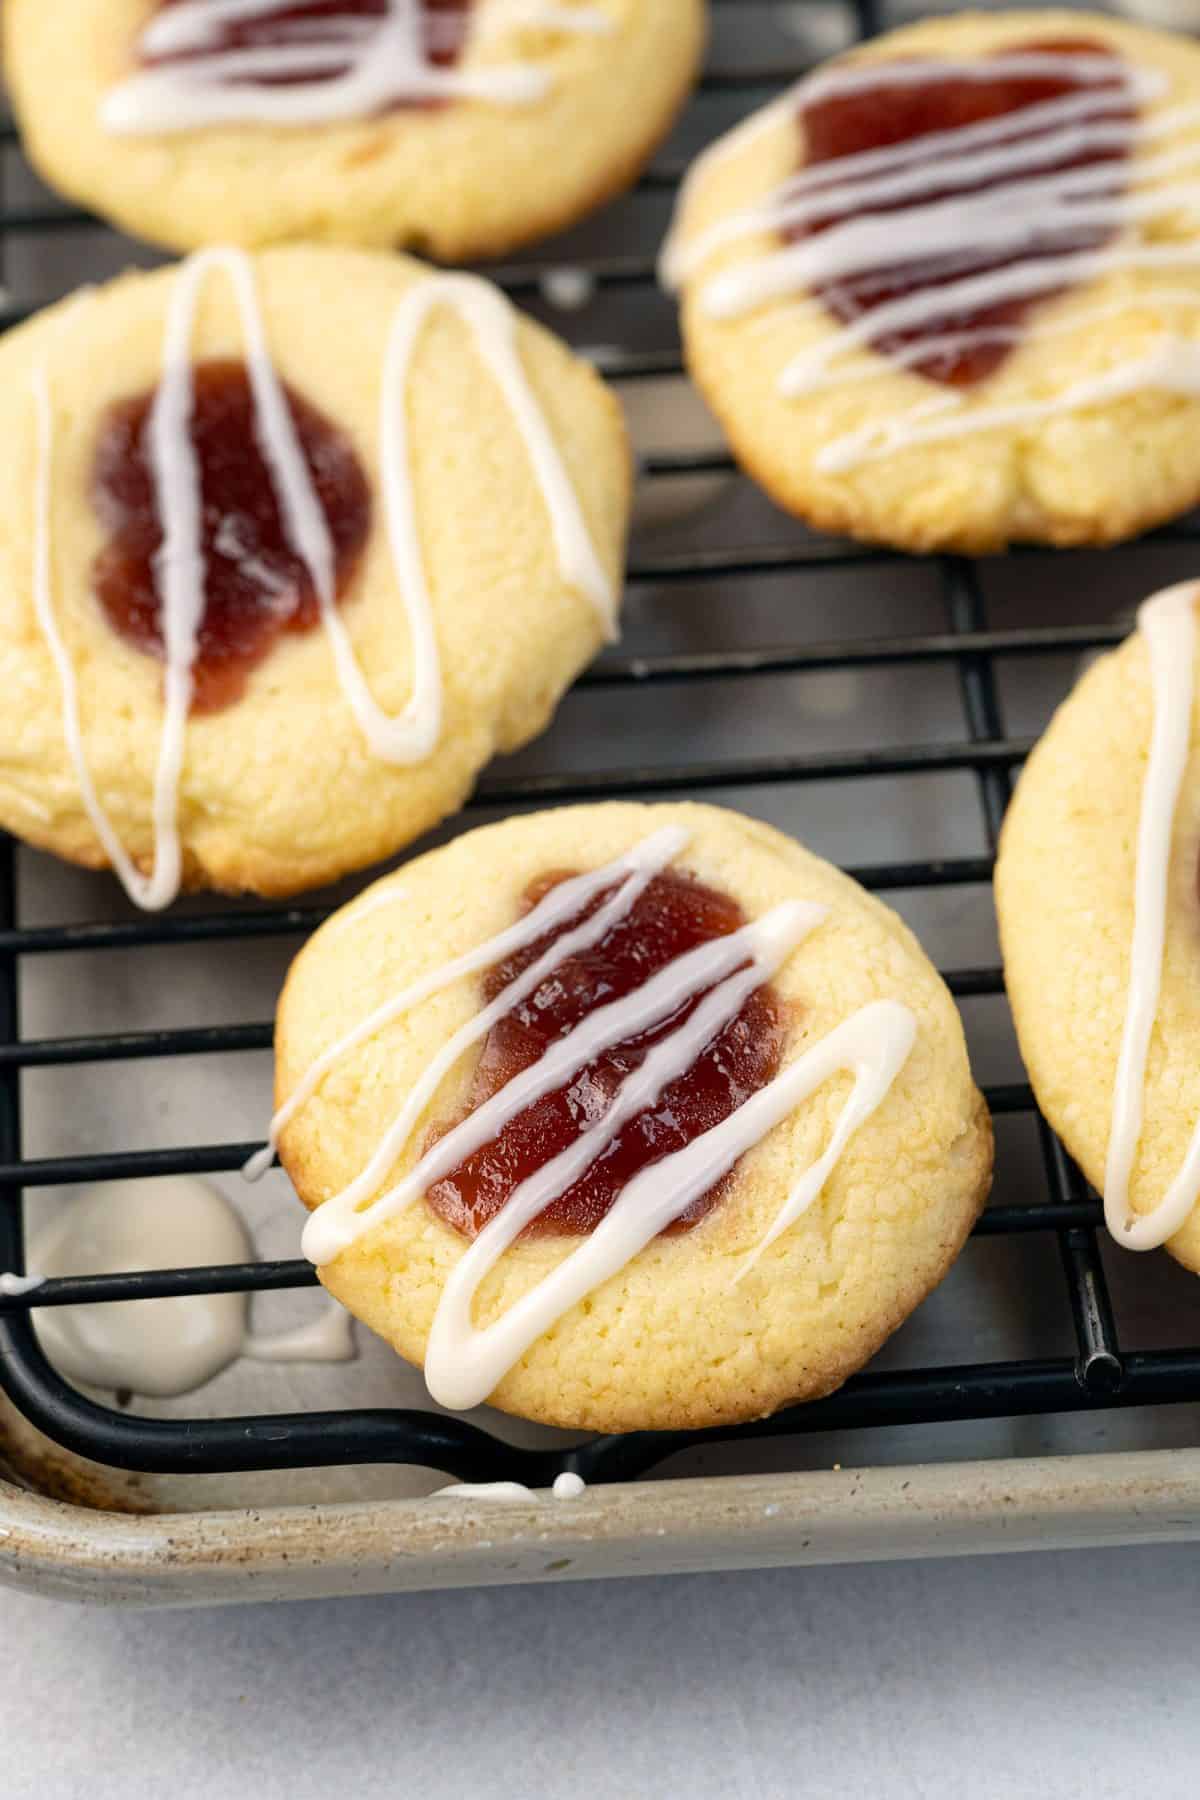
pixel 656 1528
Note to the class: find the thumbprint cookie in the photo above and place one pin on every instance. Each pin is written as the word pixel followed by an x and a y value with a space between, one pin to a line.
pixel 1099 906
pixel 460 128
pixel 289 546
pixel 945 293
pixel 625 1117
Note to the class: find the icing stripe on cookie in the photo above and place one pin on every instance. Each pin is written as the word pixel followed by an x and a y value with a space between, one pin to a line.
pixel 463 1364
pixel 339 1222
pixel 157 889
pixel 630 874
pixel 412 735
pixel 1018 213
pixel 1168 625
pixel 406 737
pixel 386 60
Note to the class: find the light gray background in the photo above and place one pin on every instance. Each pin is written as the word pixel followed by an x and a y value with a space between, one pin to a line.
pixel 1058 1675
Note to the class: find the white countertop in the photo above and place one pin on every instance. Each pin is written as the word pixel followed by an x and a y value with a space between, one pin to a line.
pixel 1059 1675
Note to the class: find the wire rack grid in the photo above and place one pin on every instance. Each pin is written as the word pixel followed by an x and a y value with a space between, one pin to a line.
pixel 1101 1373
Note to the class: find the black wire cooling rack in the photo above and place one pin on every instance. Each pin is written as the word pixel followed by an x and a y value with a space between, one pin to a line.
pixel 1100 1374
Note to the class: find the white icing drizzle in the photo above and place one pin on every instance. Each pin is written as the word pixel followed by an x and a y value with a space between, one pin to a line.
pixel 1168 624
pixel 341 1220
pixel 1172 367
pixel 903 356
pixel 972 153
pixel 1017 219
pixel 683 253
pixel 411 735
pixel 194 23
pixel 161 1347
pixel 406 737
pixel 915 71
pixel 463 1364
pixel 630 874
pixel 567 1486
pixel 153 892
pixel 355 67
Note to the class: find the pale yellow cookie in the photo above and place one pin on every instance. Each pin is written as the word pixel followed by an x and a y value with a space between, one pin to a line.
pixel 281 790
pixel 474 176
pixel 672 1339
pixel 1087 430
pixel 1065 898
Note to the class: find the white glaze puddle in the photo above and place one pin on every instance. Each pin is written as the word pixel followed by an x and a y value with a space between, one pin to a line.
pixel 162 1347
pixel 1025 213
pixel 567 1486
pixel 463 1364
pixel 409 736
pixel 1168 624
pixel 376 63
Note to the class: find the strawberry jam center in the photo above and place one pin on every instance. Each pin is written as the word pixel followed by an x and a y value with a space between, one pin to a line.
pixel 673 915
pixel 877 116
pixel 255 586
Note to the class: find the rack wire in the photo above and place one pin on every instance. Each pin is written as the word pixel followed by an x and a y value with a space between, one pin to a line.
pixel 1101 1373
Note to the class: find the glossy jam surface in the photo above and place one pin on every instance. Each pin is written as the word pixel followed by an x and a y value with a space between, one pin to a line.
pixel 444 23
pixel 875 117
pixel 255 588
pixel 675 914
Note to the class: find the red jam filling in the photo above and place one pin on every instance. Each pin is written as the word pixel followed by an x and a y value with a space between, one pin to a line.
pixel 674 914
pixel 444 21
pixel 869 118
pixel 255 587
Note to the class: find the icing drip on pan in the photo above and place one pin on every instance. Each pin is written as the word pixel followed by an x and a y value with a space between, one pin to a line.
pixel 168 1346
pixel 15 1287
pixel 567 1486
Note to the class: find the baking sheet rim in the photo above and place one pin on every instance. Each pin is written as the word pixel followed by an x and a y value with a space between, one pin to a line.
pixel 670 1527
